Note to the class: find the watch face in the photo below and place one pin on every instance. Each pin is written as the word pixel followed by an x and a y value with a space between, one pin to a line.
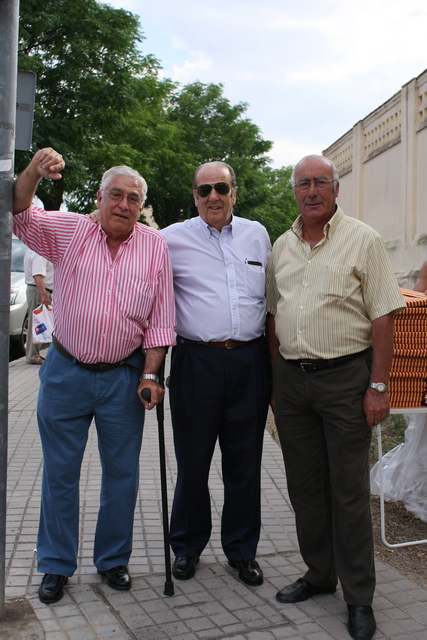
pixel 379 386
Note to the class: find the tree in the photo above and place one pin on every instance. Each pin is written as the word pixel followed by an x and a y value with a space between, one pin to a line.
pixel 279 209
pixel 89 76
pixel 100 102
pixel 207 127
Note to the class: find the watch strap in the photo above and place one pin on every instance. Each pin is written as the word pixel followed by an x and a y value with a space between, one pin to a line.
pixel 149 376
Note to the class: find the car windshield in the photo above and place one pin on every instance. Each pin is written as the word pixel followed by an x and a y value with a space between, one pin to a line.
pixel 18 252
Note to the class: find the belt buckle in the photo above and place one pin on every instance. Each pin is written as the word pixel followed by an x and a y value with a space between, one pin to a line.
pixel 308 367
pixel 228 344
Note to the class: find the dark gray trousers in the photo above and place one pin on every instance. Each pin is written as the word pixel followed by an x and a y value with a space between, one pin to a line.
pixel 325 441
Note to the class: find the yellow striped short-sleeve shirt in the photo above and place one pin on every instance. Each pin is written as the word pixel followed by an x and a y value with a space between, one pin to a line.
pixel 325 298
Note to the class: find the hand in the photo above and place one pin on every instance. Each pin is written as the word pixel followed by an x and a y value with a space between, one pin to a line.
pixel 94 215
pixel 157 393
pixel 376 406
pixel 45 299
pixel 47 162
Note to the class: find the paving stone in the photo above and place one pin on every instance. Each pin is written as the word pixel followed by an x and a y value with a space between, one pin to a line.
pixel 215 604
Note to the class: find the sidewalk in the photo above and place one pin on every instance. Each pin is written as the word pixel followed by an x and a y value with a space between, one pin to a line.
pixel 212 605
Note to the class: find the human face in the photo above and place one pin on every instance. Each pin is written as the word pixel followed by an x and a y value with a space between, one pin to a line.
pixel 215 209
pixel 316 205
pixel 118 218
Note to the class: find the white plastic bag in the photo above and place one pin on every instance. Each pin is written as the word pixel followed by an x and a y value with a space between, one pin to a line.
pixel 43 324
pixel 405 469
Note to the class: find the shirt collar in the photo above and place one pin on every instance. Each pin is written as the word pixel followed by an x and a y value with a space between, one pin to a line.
pixel 329 226
pixel 208 231
pixel 103 235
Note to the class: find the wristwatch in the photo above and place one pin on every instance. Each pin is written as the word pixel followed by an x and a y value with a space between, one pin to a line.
pixel 379 386
pixel 149 376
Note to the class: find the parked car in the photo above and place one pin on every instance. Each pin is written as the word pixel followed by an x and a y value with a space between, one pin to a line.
pixel 18 301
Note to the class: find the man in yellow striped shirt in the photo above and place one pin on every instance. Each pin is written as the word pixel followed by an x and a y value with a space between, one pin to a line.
pixel 331 297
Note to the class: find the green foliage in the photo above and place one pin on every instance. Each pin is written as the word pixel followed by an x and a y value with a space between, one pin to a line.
pixel 279 209
pixel 87 64
pixel 100 103
pixel 206 127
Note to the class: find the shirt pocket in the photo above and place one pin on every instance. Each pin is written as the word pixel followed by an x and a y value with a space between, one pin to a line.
pixel 336 280
pixel 254 280
pixel 136 299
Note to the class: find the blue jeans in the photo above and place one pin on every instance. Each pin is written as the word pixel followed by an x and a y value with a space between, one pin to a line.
pixel 69 398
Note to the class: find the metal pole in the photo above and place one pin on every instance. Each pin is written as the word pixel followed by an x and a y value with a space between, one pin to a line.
pixel 9 24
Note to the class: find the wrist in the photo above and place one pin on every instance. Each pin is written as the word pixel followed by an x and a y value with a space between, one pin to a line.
pixel 379 387
pixel 149 376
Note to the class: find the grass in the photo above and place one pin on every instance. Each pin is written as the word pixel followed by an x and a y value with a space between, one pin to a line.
pixel 392 432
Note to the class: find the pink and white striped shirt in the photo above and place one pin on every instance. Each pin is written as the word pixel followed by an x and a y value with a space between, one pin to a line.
pixel 103 309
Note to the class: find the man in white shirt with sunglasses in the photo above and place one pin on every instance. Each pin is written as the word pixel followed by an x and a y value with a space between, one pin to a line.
pixel 220 380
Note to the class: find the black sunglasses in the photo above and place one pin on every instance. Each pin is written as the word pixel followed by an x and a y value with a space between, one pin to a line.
pixel 222 188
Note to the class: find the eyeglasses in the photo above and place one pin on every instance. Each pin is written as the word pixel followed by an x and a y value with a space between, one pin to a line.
pixel 117 195
pixel 222 188
pixel 319 183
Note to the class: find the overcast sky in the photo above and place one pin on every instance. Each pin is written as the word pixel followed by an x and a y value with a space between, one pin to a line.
pixel 309 70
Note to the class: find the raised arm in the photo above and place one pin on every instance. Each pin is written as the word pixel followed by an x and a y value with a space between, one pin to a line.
pixel 46 163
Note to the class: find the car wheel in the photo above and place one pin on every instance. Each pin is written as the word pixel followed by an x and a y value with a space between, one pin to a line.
pixel 23 339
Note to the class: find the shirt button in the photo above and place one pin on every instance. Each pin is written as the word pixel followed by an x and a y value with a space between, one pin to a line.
pixel 301 307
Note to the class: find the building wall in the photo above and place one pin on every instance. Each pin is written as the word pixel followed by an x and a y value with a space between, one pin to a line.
pixel 382 162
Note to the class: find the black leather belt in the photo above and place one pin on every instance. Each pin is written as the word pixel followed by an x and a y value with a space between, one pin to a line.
pixel 310 366
pixel 94 366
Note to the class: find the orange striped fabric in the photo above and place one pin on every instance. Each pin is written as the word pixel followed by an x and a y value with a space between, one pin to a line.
pixel 408 375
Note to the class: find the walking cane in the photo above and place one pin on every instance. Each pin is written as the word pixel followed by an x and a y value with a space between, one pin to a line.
pixel 146 394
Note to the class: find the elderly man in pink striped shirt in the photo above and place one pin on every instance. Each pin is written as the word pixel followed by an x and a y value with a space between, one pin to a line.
pixel 113 316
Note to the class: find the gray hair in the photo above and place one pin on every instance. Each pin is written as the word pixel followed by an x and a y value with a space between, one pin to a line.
pixel 123 170
pixel 222 164
pixel 335 174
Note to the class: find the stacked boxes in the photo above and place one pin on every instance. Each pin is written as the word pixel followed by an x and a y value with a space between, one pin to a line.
pixel 408 375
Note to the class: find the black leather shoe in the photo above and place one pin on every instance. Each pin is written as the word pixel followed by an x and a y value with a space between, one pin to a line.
pixel 301 590
pixel 51 589
pixel 361 621
pixel 118 578
pixel 184 567
pixel 249 571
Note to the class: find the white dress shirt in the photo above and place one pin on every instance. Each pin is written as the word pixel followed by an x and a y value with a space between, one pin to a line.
pixel 219 278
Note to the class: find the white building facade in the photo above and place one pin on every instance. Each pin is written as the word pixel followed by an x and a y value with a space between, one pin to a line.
pixel 382 163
